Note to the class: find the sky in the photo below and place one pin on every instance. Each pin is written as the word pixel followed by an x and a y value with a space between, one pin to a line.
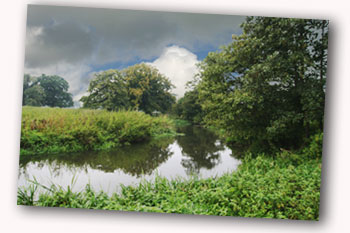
pixel 75 42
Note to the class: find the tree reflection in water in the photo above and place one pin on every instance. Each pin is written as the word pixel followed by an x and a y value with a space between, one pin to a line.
pixel 135 160
pixel 201 149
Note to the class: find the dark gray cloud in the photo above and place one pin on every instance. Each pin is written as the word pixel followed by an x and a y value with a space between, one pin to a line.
pixel 74 34
pixel 61 42
pixel 72 42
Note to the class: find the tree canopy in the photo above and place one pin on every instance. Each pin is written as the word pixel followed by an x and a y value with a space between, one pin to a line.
pixel 188 107
pixel 267 87
pixel 139 87
pixel 108 91
pixel 46 91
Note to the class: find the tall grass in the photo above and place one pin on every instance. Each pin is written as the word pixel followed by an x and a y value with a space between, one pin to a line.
pixel 261 187
pixel 52 130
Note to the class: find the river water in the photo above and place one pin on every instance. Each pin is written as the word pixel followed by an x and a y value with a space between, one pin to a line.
pixel 198 153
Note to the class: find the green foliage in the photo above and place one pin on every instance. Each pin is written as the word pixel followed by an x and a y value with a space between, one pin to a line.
pixel 267 88
pixel 179 123
pixel 33 94
pixel 314 148
pixel 53 130
pixel 46 91
pixel 140 87
pixel 262 187
pixel 148 89
pixel 26 196
pixel 189 108
pixel 108 91
pixel 263 92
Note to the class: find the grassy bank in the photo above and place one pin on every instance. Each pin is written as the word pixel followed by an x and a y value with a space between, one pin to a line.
pixel 281 187
pixel 53 130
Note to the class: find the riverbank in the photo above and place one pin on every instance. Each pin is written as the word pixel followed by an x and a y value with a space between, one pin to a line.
pixel 55 130
pixel 283 187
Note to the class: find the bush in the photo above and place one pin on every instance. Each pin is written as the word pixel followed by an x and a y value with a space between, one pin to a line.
pixel 53 130
pixel 314 149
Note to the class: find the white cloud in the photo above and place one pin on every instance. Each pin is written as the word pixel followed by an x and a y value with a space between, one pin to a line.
pixel 176 63
pixel 179 65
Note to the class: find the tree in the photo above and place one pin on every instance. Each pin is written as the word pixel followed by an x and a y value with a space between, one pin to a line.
pixel 46 91
pixel 266 88
pixel 33 94
pixel 56 90
pixel 140 87
pixel 148 89
pixel 107 90
pixel 189 108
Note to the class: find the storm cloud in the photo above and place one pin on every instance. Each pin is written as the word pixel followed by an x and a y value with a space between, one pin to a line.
pixel 61 38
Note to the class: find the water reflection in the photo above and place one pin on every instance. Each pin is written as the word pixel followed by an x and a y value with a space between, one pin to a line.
pixel 201 149
pixel 198 152
pixel 135 160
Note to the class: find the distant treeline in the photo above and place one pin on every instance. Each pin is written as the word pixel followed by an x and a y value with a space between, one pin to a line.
pixel 139 87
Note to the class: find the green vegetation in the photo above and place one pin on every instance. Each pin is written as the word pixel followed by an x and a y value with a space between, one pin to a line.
pixel 264 93
pixel 52 130
pixel 46 91
pixel 139 87
pixel 261 187
pixel 267 88
pixel 188 107
pixel 179 123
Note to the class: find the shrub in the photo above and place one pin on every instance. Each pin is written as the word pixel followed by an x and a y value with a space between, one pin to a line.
pixel 52 130
pixel 314 149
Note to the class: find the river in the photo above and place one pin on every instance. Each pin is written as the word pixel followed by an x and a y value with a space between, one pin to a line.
pixel 198 153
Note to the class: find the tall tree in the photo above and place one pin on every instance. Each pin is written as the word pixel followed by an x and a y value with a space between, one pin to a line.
pixel 148 89
pixel 46 91
pixel 33 94
pixel 188 107
pixel 56 90
pixel 107 90
pixel 140 87
pixel 266 88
